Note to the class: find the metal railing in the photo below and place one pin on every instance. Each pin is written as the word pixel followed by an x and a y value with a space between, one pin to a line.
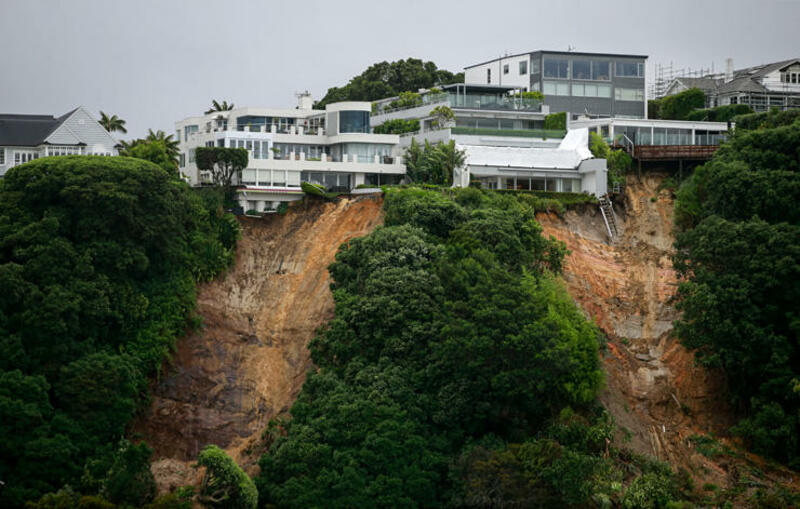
pixel 435 99
pixel 524 133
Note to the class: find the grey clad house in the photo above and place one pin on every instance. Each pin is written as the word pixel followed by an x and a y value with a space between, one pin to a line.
pixel 27 137
pixel 594 85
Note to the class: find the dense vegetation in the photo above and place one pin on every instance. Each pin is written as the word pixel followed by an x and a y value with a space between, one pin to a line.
pixel 397 126
pixel 739 255
pixel 556 121
pixel 456 371
pixel 98 262
pixel 387 79
pixel 690 105
pixel 719 113
pixel 618 161
pixel 433 163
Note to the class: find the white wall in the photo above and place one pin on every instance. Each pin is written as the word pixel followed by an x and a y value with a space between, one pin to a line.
pixel 477 75
pixel 83 127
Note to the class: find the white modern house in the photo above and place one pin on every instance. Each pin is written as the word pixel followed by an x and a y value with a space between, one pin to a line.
pixel 567 167
pixel 502 135
pixel 332 147
pixel 27 137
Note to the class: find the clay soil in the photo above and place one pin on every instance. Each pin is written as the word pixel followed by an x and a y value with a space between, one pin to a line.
pixel 657 394
pixel 248 361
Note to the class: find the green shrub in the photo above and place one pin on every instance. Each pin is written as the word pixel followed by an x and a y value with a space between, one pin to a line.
pixel 720 113
pixel 225 484
pixel 397 126
pixel 680 105
pixel 556 121
pixel 767 120
pixel 650 491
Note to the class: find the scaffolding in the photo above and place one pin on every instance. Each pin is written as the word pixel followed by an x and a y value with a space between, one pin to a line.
pixel 664 74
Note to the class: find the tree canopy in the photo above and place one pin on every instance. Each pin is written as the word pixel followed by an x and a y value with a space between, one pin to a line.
pixel 678 106
pixel 98 262
pixel 112 123
pixel 389 79
pixel 739 256
pixel 451 340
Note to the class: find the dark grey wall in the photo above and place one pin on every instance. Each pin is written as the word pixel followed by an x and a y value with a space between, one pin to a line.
pixel 594 105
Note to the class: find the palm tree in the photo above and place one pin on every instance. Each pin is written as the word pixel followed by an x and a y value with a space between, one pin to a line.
pixel 112 123
pixel 446 158
pixel 169 142
pixel 215 106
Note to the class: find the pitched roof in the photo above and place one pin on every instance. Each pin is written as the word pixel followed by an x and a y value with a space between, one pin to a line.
pixel 741 84
pixel 27 130
pixel 758 71
pixel 701 83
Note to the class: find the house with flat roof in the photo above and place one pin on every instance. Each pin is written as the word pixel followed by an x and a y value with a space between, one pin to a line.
pixel 582 84
pixel 501 131
pixel 333 147
pixel 27 137
pixel 762 87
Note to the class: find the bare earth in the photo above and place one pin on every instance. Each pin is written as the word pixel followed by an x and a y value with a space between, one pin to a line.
pixel 654 389
pixel 248 362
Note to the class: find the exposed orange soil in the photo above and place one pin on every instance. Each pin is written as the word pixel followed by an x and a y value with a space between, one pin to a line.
pixel 654 389
pixel 248 362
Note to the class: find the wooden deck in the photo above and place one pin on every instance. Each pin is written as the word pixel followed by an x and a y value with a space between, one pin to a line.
pixel 673 152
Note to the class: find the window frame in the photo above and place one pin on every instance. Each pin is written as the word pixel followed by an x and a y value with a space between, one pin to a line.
pixel 523 67
pixel 566 74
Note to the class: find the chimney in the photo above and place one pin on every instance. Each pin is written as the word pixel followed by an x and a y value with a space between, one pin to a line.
pixel 728 69
pixel 304 100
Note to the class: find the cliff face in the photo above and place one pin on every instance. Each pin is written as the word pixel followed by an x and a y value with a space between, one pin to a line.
pixel 654 389
pixel 248 361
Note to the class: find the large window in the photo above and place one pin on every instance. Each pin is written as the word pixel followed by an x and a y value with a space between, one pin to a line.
pixel 555 88
pixel 285 151
pixel 353 121
pixel 591 70
pixel 534 66
pixel 591 90
pixel 378 179
pixel 628 94
pixel 361 152
pixel 189 129
pixel 581 69
pixel 523 67
pixel 330 180
pixel 556 68
pixel 601 70
pixel 630 69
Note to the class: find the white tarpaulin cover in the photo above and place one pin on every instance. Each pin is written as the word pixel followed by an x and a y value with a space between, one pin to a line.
pixel 571 151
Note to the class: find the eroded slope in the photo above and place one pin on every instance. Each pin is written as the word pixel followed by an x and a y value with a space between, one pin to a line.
pixel 248 361
pixel 654 390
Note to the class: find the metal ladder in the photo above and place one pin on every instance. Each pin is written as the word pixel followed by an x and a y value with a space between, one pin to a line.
pixel 607 210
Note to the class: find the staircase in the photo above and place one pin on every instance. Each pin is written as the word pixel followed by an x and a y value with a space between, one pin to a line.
pixel 609 218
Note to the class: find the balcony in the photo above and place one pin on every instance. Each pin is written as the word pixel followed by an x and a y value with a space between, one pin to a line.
pixel 523 133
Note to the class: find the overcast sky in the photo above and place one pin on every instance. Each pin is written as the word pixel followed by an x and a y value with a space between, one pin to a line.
pixel 153 62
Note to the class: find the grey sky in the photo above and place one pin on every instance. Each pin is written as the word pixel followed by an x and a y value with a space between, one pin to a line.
pixel 153 62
